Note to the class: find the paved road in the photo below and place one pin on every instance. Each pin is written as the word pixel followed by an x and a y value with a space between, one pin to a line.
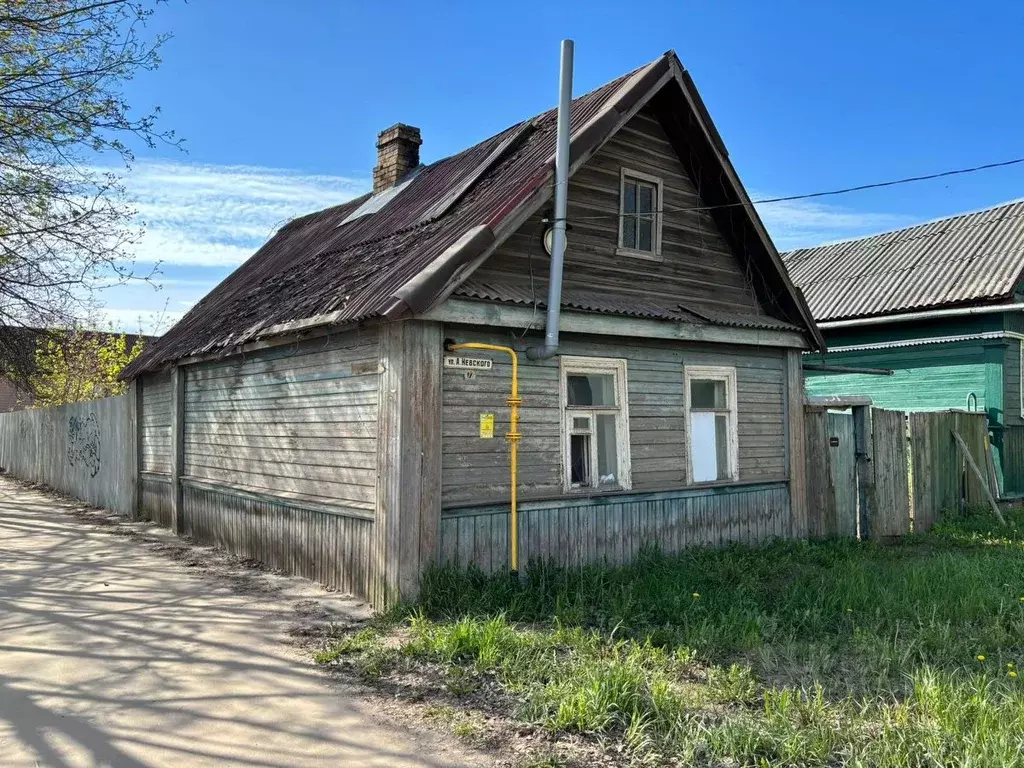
pixel 114 654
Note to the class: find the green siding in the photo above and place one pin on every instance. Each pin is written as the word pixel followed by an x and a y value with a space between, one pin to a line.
pixel 1011 382
pixel 929 377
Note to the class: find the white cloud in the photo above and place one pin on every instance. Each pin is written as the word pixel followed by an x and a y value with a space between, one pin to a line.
pixel 210 215
pixel 801 223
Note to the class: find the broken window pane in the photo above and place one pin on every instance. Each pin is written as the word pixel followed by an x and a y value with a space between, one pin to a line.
pixel 607 455
pixel 586 389
pixel 579 459
pixel 707 394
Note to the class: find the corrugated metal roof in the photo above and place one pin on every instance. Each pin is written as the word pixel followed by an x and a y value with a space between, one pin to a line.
pixel 971 257
pixel 401 255
pixel 592 301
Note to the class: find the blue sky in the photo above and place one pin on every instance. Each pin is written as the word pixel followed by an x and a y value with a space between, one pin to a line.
pixel 280 104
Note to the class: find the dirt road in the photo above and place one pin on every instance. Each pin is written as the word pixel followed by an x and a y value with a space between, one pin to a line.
pixel 122 646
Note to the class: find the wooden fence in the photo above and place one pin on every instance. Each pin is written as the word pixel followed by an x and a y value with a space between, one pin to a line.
pixel 907 468
pixel 86 450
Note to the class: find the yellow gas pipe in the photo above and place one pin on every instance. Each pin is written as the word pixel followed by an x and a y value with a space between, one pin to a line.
pixel 513 436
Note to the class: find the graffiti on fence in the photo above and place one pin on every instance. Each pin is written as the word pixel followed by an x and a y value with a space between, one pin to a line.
pixel 84 443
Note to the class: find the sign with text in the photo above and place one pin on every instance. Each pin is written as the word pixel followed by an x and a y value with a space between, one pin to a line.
pixel 467 363
pixel 487 426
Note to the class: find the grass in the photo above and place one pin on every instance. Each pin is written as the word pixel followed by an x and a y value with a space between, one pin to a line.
pixel 834 653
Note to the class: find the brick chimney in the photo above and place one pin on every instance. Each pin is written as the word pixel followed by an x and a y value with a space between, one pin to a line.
pixel 398 153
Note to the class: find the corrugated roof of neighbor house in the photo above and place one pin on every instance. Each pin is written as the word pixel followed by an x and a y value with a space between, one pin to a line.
pixel 969 258
pixel 334 263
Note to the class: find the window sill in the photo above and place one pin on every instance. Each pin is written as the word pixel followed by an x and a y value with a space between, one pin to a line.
pixel 635 254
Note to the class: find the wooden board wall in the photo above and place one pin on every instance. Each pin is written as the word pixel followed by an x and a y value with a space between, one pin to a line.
pixel 155 423
pixel 317 544
pixel 891 508
pixel 697 267
pixel 295 421
pixel 409 456
pixel 475 470
pixel 84 449
pixel 614 529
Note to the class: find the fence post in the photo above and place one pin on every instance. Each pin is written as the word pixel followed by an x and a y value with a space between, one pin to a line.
pixel 133 444
pixel 865 470
pixel 795 429
pixel 177 446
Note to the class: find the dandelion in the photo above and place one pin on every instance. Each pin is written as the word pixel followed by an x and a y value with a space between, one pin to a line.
pixel 981 657
pixel 1012 673
pixel 1009 665
pixel 696 595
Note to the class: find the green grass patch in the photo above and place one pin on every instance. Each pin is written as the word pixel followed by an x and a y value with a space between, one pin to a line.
pixel 833 653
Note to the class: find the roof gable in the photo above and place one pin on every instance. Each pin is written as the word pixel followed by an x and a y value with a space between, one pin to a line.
pixel 416 249
pixel 963 259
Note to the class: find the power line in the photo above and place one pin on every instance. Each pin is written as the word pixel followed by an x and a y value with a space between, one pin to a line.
pixel 808 195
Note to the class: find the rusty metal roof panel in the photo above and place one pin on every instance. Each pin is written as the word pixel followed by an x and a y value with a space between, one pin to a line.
pixel 970 257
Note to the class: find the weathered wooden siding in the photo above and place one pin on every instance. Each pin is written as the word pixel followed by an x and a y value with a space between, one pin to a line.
pixel 316 543
pixel 155 419
pixel 697 267
pixel 299 422
pixel 155 499
pixel 475 470
pixel 85 449
pixel 614 528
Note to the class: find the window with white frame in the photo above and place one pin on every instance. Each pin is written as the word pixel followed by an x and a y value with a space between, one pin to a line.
pixel 595 423
pixel 640 198
pixel 710 394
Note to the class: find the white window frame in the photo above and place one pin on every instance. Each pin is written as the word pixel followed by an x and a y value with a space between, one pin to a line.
pixel 628 173
pixel 714 373
pixel 594 365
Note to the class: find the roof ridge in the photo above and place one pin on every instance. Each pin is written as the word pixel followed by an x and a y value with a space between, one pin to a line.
pixel 909 227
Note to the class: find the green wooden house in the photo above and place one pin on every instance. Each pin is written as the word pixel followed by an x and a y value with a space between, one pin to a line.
pixel 941 305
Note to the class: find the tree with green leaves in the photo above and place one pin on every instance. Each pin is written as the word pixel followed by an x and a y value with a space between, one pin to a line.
pixel 80 365
pixel 66 138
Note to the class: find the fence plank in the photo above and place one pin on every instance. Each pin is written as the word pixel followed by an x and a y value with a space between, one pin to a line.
pixel 891 512
pixel 922 455
pixel 821 496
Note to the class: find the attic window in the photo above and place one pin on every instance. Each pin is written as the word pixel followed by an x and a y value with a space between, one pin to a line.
pixel 640 199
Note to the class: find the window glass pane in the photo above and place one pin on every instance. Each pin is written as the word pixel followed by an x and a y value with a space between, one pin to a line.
pixel 607 456
pixel 628 232
pixel 581 423
pixel 707 393
pixel 629 196
pixel 579 459
pixel 645 199
pixel 722 445
pixel 591 389
pixel 645 235
pixel 703 447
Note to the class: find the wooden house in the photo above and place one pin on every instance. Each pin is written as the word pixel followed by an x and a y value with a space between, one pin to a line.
pixel 311 412
pixel 939 304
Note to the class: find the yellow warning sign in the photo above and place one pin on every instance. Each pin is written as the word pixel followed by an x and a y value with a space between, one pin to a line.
pixel 487 426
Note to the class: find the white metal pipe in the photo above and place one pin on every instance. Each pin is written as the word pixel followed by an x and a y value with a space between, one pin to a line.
pixel 909 317
pixel 563 128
